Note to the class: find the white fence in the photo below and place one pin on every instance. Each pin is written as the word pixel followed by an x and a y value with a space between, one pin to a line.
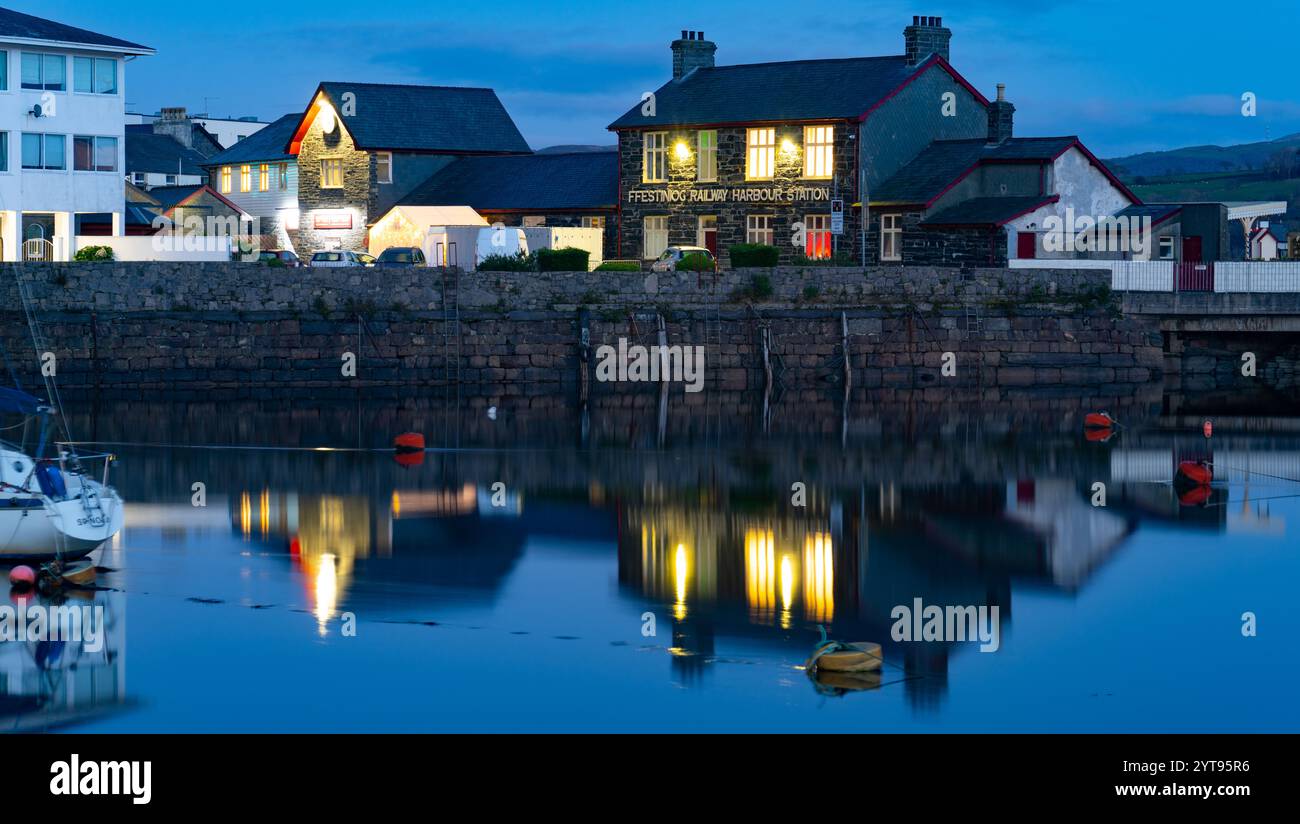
pixel 1163 275
pixel 162 246
pixel 1279 276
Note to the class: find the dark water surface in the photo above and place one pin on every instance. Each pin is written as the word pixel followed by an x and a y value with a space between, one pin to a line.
pixel 531 611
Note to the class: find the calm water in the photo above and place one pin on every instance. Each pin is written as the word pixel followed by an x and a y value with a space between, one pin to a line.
pixel 530 611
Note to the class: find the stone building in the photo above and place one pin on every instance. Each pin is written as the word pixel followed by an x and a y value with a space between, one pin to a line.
pixel 770 152
pixel 362 147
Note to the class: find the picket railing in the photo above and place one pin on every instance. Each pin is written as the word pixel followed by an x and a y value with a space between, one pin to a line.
pixel 1272 276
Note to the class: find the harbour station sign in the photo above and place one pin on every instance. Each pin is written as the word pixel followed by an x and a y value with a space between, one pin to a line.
pixel 739 194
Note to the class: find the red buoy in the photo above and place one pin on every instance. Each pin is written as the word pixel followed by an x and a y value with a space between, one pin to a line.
pixel 409 459
pixel 22 577
pixel 1208 429
pixel 1098 420
pixel 1196 473
pixel 409 442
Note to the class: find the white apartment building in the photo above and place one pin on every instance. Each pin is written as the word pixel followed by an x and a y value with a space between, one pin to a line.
pixel 62 130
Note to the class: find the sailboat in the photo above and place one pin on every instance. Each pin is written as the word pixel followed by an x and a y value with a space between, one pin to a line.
pixel 50 508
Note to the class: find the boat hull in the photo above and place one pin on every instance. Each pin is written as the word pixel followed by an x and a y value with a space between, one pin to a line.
pixel 32 529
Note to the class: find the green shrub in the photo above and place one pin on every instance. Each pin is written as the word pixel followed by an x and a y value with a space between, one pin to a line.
pixel 94 254
pixel 695 262
pixel 761 286
pixel 274 263
pixel 518 262
pixel 567 259
pixel 755 255
pixel 619 266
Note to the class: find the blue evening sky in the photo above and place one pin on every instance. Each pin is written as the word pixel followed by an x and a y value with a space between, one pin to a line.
pixel 1125 76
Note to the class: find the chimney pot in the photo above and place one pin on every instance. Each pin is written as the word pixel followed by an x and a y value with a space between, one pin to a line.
pixel 692 52
pixel 683 34
pixel 1001 117
pixel 1002 91
pixel 916 20
pixel 926 36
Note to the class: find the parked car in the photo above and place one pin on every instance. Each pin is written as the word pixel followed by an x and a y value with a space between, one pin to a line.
pixel 339 258
pixel 285 257
pixel 673 255
pixel 400 257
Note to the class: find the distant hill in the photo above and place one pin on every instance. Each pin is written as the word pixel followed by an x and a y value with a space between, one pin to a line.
pixel 575 149
pixel 1205 159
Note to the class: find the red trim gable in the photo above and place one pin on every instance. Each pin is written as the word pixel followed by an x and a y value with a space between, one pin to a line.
pixel 211 191
pixel 308 118
pixel 933 60
pixel 1092 158
pixel 1048 201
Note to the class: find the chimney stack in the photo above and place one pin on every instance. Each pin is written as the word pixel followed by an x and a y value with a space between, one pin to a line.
pixel 1001 117
pixel 175 123
pixel 926 36
pixel 692 52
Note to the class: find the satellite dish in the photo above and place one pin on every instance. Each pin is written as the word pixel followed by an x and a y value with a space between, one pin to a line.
pixel 37 111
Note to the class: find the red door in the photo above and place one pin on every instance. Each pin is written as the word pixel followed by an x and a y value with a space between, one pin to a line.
pixel 1192 249
pixel 709 236
pixel 1026 245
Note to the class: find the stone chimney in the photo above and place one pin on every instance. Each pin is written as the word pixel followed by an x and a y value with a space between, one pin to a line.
pixel 926 36
pixel 175 122
pixel 692 52
pixel 1001 117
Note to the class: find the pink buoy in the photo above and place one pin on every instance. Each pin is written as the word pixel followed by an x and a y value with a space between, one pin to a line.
pixel 22 577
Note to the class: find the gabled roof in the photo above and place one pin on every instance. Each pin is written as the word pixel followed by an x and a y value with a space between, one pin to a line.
pixel 169 197
pixel 944 163
pixel 267 144
pixel 1158 212
pixel 24 27
pixel 799 90
pixel 538 182
pixel 160 154
pixel 988 211
pixel 434 119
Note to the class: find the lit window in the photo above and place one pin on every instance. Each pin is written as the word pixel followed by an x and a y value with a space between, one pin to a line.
pixel 284 176
pixel 758 229
pixel 264 178
pixel 45 151
pixel 245 178
pixel 708 153
pixel 656 237
pixel 1166 248
pixel 94 75
pixel 94 154
pixel 655 158
pixel 817 229
pixel 46 72
pixel 761 158
pixel 331 173
pixel 225 180
pixel 384 167
pixel 819 152
pixel 891 237
pixel 593 222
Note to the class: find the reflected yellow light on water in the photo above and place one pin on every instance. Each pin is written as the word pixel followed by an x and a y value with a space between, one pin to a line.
pixel 327 591
pixel 681 571
pixel 760 572
pixel 787 589
pixel 246 514
pixel 819 578
pixel 397 505
pixel 264 519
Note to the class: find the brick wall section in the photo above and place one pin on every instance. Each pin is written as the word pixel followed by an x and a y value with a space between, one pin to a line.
pixel 141 328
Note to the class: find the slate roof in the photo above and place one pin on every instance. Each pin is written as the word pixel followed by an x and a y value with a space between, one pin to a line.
pixel 943 163
pixel 169 196
pixel 1158 212
pixel 988 211
pixel 425 118
pixel 266 144
pixel 842 89
pixel 159 153
pixel 26 27
pixel 541 182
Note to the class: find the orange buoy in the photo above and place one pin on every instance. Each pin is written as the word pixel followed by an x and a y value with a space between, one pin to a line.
pixel 409 442
pixel 1098 420
pixel 1195 473
pixel 22 577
